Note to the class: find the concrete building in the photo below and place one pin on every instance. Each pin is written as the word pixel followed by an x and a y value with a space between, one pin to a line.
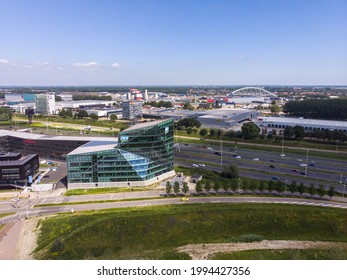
pixel 131 110
pixel 17 169
pixel 45 103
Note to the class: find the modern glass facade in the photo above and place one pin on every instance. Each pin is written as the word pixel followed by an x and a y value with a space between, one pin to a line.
pixel 143 152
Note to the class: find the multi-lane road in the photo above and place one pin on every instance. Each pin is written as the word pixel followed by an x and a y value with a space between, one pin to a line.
pixel 264 165
pixel 32 208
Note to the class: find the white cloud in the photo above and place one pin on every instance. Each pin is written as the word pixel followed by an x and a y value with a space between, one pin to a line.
pixel 3 61
pixel 115 65
pixel 87 65
pixel 41 63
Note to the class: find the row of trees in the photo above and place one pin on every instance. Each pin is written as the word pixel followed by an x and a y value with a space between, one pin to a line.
pixel 252 185
pixel 332 109
pixel 177 188
pixel 67 113
pixel 161 103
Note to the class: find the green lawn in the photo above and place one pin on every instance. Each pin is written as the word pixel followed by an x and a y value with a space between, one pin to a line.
pixel 289 254
pixel 156 232
pixel 104 190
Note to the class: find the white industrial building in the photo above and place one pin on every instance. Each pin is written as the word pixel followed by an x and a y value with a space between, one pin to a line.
pixel 308 124
pixel 45 103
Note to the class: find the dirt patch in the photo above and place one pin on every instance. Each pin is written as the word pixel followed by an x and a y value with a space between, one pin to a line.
pixel 27 240
pixel 205 251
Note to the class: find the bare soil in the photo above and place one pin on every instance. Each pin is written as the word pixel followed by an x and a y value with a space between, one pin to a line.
pixel 206 251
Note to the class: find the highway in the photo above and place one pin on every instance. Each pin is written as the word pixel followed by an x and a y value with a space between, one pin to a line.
pixel 319 170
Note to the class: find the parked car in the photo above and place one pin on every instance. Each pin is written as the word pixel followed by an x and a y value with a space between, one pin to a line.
pixel 302 164
pixel 237 156
pixel 272 160
pixel 272 166
pixel 256 159
pixel 295 170
pixel 195 165
pixel 202 165
pixel 275 178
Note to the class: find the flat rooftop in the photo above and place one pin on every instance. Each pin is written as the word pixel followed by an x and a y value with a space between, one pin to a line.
pixel 302 121
pixel 143 125
pixel 35 136
pixel 19 161
pixel 94 146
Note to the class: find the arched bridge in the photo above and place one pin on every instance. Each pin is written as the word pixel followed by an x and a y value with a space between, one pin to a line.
pixel 253 91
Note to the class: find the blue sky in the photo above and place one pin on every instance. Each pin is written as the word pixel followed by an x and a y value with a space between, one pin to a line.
pixel 173 42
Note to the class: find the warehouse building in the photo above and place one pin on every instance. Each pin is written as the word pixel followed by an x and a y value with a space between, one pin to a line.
pixel 307 124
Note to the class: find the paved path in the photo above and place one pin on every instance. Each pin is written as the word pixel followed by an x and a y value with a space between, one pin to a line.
pixel 9 237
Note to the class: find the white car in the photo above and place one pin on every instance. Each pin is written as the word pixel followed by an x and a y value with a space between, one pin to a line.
pixel 303 164
pixel 202 165
pixel 237 156
pixel 282 155
pixel 195 165
pixel 256 159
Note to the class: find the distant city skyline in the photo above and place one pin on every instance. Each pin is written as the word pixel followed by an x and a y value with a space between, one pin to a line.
pixel 181 42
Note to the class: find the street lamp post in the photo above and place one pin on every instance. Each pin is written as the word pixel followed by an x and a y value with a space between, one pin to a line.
pixel 221 150
pixel 285 188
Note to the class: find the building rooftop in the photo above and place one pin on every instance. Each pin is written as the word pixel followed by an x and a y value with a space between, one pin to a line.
pixel 94 146
pixel 302 121
pixel 19 161
pixel 35 136
pixel 144 125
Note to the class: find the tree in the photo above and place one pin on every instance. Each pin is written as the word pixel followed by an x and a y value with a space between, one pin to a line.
pixel 253 185
pixel 198 187
pixel 5 114
pixel 293 187
pixel 168 187
pixel 271 186
pixel 217 186
pixel 250 130
pixel 301 189
pixel 176 187
pixel 262 186
pixel 94 116
pixel 188 106
pixel 231 171
pixel 82 114
pixel 331 191
pixel 185 188
pixel 220 132
pixel 299 132
pixel 275 109
pixel 65 113
pixel 279 187
pixel 188 122
pixel 113 117
pixel 312 189
pixel 321 191
pixel 207 185
pixel 225 186
pixel 212 132
pixel 189 130
pixel 203 131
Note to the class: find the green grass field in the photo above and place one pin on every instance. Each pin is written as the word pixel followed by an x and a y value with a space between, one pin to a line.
pixel 104 190
pixel 292 254
pixel 156 232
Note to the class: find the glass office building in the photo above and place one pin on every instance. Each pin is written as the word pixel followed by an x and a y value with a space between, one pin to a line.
pixel 142 155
